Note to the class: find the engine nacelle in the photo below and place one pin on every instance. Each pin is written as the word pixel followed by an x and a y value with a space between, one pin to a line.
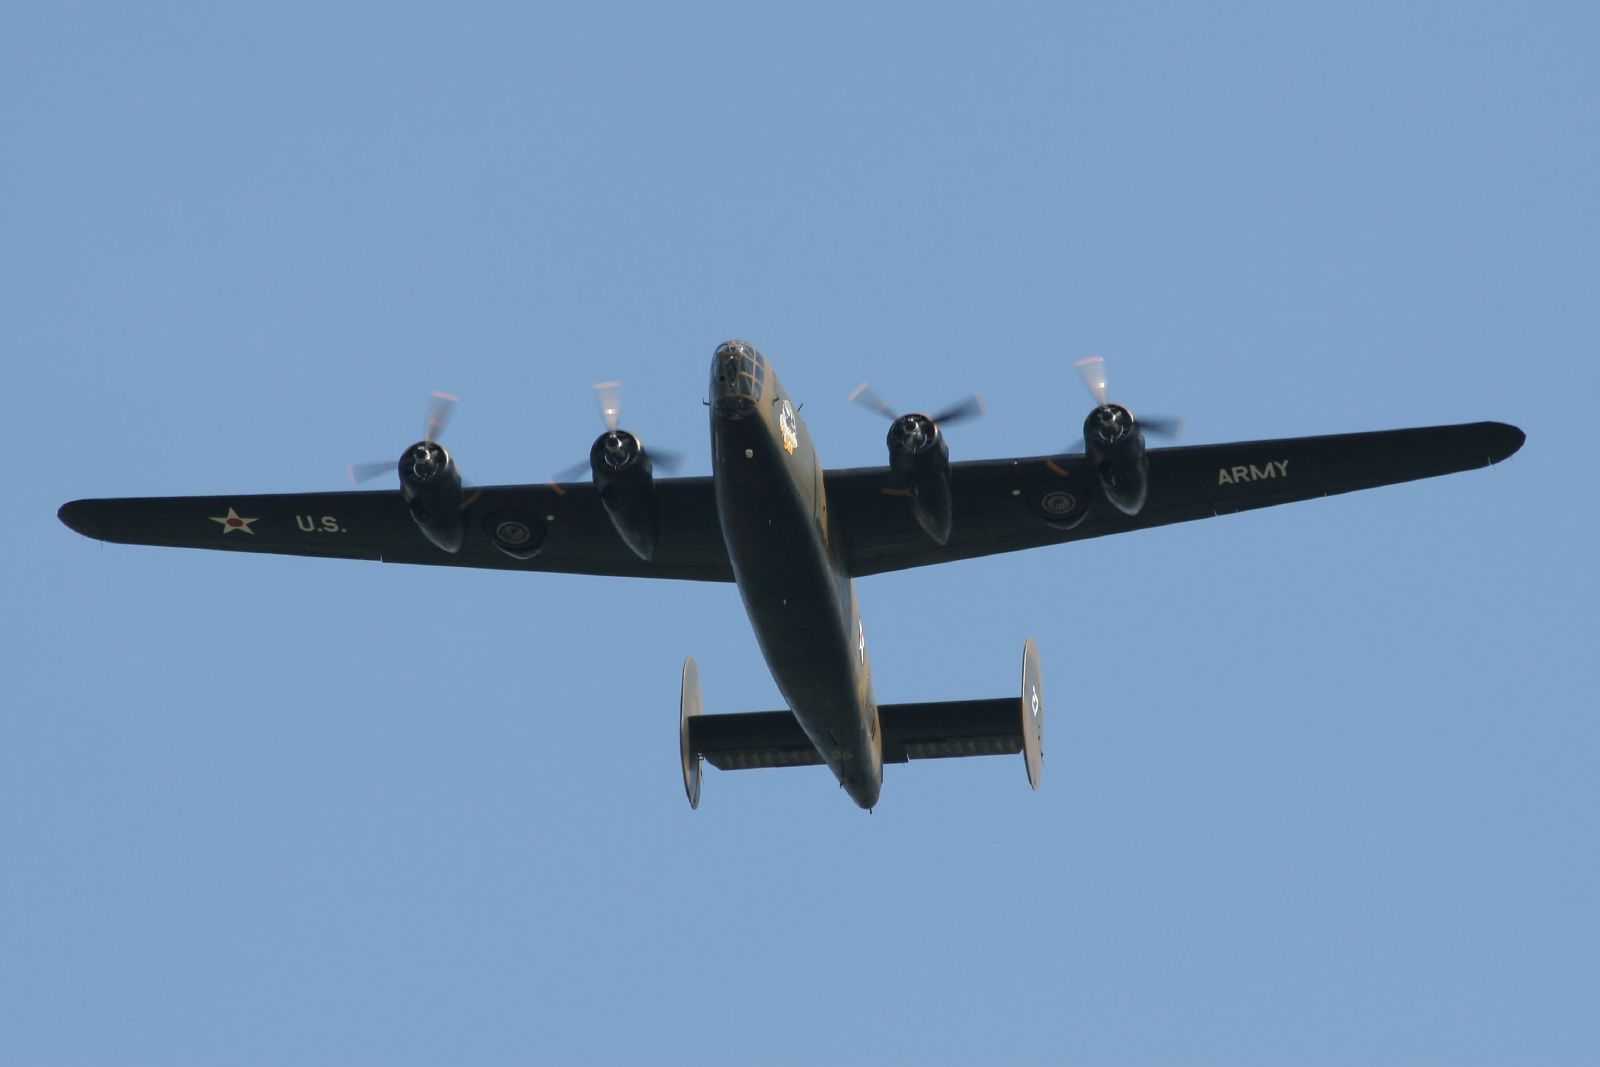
pixel 1115 445
pixel 431 485
pixel 626 481
pixel 920 460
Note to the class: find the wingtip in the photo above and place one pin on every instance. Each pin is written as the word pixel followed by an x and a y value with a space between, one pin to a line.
pixel 76 515
pixel 1505 442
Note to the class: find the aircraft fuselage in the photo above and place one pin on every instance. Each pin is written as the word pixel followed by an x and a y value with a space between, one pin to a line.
pixel 789 563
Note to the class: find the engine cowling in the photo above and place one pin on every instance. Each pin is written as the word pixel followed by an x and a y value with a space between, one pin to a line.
pixel 625 479
pixel 920 460
pixel 1115 445
pixel 431 485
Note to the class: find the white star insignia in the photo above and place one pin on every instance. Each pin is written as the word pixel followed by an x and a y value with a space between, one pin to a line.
pixel 232 521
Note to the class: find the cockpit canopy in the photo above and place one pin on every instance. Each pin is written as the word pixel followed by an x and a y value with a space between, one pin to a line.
pixel 738 377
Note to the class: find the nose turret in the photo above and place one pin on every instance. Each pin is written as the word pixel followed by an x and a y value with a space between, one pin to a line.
pixel 738 376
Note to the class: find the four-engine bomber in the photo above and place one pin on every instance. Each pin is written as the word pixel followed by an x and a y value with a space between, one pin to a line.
pixel 794 537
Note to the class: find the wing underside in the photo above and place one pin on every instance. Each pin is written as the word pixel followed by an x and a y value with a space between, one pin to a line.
pixel 566 524
pixel 999 506
pixel 1010 505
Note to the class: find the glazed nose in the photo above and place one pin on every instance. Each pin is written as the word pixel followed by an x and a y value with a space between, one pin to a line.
pixel 734 385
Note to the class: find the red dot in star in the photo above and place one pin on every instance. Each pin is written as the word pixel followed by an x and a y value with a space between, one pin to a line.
pixel 236 523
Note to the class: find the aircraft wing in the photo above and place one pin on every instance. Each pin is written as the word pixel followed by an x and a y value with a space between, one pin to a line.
pixel 1014 504
pixel 1000 506
pixel 577 536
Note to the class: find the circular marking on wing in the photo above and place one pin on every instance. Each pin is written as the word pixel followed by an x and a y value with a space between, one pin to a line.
pixel 518 535
pixel 1058 502
pixel 513 533
pixel 1058 506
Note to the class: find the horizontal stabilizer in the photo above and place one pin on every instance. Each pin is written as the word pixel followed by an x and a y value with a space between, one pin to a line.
pixel 948 728
pixel 751 739
pixel 930 730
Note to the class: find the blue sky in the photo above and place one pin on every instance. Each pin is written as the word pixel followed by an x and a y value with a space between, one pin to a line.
pixel 1320 781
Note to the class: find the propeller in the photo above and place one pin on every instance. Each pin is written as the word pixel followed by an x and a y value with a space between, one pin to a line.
pixel 440 408
pixel 1093 370
pixel 608 397
pixel 969 408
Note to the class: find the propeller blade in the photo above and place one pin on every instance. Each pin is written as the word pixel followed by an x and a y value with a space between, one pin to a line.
pixel 872 401
pixel 609 396
pixel 1168 426
pixel 969 408
pixel 1093 370
pixel 663 459
pixel 572 473
pixel 439 410
pixel 365 472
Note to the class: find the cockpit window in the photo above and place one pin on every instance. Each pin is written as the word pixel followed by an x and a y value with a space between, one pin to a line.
pixel 740 371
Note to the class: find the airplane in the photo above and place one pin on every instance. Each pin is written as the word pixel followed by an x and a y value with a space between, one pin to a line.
pixel 793 537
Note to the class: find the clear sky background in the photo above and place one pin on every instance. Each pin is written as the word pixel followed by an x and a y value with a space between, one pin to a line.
pixel 1321 781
